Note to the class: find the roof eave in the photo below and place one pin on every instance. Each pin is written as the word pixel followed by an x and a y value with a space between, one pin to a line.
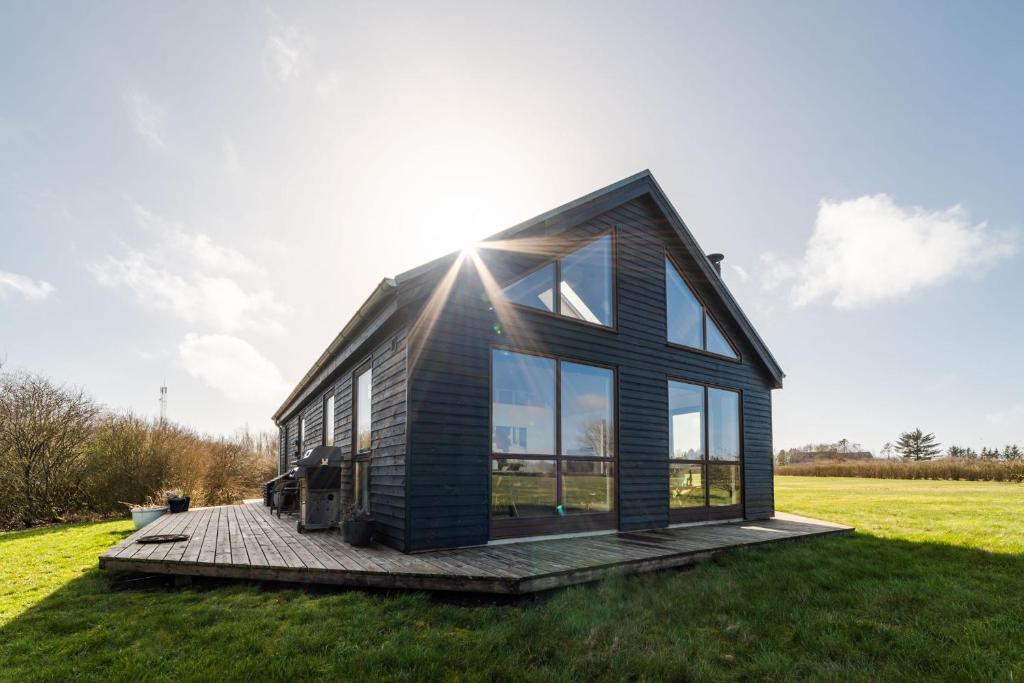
pixel 384 290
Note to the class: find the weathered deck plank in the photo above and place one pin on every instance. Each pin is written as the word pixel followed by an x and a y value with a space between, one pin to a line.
pixel 247 542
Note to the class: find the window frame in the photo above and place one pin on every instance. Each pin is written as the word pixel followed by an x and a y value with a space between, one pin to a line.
pixel 356 374
pixel 500 527
pixel 669 258
pixel 707 512
pixel 327 418
pixel 360 458
pixel 557 292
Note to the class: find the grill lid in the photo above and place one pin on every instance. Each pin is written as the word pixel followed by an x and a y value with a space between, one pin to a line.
pixel 320 456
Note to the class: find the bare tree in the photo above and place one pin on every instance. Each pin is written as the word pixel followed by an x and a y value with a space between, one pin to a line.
pixel 44 430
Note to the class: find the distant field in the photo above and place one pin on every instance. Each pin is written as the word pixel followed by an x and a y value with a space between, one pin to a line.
pixel 931 587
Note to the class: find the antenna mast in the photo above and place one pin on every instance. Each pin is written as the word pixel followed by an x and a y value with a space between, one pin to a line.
pixel 163 404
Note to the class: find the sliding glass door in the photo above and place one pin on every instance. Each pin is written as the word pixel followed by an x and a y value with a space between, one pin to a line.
pixel 705 452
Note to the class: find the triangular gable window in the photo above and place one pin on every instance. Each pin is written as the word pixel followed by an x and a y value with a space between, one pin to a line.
pixel 584 283
pixel 716 341
pixel 536 290
pixel 689 323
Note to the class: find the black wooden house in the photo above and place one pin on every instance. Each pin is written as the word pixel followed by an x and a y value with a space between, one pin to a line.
pixel 584 371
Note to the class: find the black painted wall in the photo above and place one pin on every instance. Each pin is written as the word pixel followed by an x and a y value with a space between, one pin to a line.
pixel 387 458
pixel 449 393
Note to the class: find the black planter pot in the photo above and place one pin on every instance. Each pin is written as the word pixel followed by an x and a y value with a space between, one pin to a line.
pixel 357 533
pixel 177 504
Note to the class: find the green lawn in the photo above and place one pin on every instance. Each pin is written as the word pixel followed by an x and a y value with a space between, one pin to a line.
pixel 930 587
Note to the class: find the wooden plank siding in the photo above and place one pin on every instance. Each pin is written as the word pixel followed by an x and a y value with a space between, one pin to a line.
pixel 449 386
pixel 388 432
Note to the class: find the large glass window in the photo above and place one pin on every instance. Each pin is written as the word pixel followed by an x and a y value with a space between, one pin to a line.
pixel 586 284
pixel 329 421
pixel 587 397
pixel 536 290
pixel 686 420
pixel 704 446
pixel 723 424
pixel 583 280
pixel 689 323
pixel 523 488
pixel 523 411
pixel 533 472
pixel 364 410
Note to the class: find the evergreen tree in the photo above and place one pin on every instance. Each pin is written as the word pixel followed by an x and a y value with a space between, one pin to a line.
pixel 961 452
pixel 917 445
pixel 1013 452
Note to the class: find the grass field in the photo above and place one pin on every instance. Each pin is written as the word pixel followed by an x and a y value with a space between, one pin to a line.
pixel 930 587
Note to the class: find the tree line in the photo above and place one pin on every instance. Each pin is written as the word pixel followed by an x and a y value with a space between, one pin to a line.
pixel 917 445
pixel 914 445
pixel 63 456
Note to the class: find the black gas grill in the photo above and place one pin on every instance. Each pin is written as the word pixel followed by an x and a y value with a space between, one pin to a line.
pixel 319 475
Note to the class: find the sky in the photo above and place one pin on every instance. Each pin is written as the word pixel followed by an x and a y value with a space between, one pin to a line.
pixel 201 194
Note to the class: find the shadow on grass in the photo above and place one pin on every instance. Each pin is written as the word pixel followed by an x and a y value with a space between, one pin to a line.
pixel 36 532
pixel 855 608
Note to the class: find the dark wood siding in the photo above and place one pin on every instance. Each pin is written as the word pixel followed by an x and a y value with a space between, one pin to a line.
pixel 387 459
pixel 449 389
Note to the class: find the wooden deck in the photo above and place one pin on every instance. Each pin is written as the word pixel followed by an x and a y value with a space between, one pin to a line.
pixel 246 542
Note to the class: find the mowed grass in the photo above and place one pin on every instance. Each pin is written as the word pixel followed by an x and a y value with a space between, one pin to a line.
pixel 931 587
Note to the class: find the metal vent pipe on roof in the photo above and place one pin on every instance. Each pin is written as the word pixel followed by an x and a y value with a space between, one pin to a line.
pixel 716 261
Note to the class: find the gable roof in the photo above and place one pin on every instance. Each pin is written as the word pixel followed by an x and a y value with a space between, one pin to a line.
pixel 552 222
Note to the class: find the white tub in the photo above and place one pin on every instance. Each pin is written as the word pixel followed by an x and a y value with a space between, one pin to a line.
pixel 143 516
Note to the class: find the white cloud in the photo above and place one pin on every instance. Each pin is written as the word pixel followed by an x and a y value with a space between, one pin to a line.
pixel 147 118
pixel 867 250
pixel 288 51
pixel 741 272
pixel 199 246
pixel 32 290
pixel 1013 415
pixel 233 367
pixel 190 276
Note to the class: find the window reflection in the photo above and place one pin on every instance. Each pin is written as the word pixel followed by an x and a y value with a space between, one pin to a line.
pixel 685 314
pixel 717 342
pixel 586 287
pixel 686 420
pixel 723 484
pixel 364 410
pixel 724 424
pixel 536 290
pixel 587 486
pixel 523 410
pixel 686 485
pixel 713 476
pixel 587 410
pixel 522 488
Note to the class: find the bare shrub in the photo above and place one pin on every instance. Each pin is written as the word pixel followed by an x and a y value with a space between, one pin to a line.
pixel 44 433
pixel 61 458
pixel 124 466
pixel 955 469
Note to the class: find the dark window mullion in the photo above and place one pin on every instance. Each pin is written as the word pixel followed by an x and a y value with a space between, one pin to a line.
pixel 558 287
pixel 558 427
pixel 706 469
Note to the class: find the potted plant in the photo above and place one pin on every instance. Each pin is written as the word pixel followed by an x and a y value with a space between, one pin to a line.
pixel 357 526
pixel 177 501
pixel 145 513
